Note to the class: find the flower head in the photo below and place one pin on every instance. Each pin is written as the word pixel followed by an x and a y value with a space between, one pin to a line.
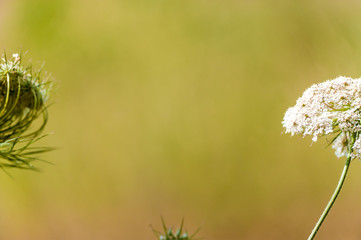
pixel 23 95
pixel 170 235
pixel 331 107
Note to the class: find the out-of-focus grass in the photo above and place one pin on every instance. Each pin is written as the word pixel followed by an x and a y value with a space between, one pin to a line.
pixel 175 108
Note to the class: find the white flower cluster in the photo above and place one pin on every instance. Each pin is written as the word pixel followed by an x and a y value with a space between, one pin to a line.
pixel 330 107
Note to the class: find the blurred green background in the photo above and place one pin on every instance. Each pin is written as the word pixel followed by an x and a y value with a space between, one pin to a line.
pixel 174 108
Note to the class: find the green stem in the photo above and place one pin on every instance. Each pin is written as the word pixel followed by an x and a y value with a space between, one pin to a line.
pixel 335 194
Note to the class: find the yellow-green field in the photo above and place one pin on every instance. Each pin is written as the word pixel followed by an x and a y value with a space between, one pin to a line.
pixel 174 108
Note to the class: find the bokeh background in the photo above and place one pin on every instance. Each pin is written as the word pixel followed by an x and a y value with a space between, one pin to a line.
pixel 174 108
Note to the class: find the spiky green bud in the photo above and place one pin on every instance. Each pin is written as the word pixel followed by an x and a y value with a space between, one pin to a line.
pixel 23 96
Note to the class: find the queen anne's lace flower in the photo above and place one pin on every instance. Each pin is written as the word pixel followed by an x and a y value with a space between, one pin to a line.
pixel 331 107
pixel 24 93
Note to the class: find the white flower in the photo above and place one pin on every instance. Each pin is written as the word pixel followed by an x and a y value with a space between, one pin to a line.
pixel 330 107
pixel 340 145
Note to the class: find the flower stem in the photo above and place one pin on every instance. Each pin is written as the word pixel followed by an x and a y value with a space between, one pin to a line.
pixel 335 194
